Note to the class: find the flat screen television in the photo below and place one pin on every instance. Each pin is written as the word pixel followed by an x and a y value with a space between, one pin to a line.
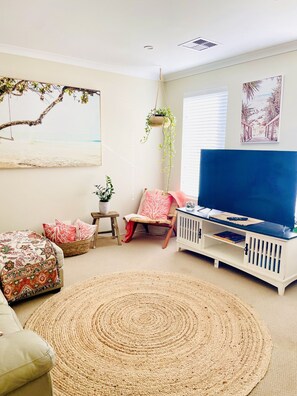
pixel 254 183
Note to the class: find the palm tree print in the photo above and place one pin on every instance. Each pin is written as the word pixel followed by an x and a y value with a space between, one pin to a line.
pixel 260 112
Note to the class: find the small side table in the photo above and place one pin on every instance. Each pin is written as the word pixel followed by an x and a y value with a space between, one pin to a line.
pixel 114 225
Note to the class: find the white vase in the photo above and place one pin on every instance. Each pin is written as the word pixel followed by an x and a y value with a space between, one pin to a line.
pixel 104 207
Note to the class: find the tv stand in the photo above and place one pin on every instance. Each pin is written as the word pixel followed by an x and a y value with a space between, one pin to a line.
pixel 263 250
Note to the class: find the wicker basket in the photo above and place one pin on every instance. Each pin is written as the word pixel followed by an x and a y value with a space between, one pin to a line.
pixel 75 248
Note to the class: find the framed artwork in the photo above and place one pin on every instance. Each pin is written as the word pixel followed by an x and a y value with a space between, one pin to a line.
pixel 260 111
pixel 48 125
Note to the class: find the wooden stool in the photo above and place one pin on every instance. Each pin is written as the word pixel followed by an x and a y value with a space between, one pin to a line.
pixel 114 225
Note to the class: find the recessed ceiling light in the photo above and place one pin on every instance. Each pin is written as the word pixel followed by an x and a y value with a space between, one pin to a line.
pixel 148 47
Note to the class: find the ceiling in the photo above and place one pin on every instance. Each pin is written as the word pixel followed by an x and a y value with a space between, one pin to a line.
pixel 111 34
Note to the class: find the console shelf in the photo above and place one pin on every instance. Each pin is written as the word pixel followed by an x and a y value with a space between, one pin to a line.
pixel 265 251
pixel 213 236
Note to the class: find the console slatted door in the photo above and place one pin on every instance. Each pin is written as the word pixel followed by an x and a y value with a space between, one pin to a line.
pixel 188 229
pixel 264 255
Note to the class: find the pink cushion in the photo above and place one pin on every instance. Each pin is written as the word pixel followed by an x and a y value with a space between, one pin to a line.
pixel 156 205
pixel 60 232
pixel 50 231
pixel 84 230
pixel 65 232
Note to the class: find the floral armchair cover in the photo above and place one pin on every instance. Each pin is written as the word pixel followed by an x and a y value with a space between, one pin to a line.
pixel 28 265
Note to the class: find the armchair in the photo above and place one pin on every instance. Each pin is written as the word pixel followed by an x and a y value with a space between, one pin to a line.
pixel 157 208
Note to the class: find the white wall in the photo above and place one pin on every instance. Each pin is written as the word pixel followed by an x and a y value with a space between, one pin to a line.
pixel 29 197
pixel 232 78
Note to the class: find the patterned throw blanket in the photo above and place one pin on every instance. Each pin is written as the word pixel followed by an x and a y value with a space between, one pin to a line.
pixel 28 264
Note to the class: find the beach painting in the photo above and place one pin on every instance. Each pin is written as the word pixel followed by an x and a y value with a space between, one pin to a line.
pixel 260 111
pixel 48 125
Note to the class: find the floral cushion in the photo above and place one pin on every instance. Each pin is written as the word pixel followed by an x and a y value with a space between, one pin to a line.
pixel 156 205
pixel 28 264
pixel 84 230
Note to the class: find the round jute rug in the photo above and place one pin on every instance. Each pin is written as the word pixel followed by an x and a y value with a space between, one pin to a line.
pixel 148 334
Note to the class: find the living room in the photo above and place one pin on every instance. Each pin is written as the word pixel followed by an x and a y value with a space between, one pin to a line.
pixel 31 197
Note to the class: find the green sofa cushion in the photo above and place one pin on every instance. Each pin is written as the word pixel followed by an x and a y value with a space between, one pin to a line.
pixel 9 322
pixel 24 356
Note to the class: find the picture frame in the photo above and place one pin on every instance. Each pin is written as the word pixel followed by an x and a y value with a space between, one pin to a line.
pixel 48 125
pixel 261 110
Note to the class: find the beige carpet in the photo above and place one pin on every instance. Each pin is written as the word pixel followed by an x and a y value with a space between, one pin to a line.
pixel 150 333
pixel 144 253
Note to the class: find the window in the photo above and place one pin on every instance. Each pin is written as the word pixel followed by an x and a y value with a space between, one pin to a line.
pixel 204 125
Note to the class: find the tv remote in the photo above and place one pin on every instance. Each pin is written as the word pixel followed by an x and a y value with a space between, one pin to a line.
pixel 237 218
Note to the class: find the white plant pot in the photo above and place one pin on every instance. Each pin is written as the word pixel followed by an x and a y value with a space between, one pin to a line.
pixel 104 207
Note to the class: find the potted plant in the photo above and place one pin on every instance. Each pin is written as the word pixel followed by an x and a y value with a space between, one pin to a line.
pixel 104 194
pixel 163 117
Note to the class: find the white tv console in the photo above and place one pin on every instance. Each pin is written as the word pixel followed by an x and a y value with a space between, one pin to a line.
pixel 266 252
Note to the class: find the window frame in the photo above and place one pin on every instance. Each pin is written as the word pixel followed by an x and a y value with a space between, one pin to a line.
pixel 193 94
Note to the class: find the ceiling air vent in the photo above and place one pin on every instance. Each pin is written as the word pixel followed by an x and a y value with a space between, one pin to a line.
pixel 198 44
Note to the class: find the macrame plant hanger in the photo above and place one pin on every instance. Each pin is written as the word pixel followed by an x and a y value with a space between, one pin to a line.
pixel 159 83
pixel 157 119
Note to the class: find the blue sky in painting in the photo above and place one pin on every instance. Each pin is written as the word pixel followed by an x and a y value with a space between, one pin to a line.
pixel 68 121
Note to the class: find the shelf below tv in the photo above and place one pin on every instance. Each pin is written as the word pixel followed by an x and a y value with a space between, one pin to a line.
pixel 267 251
pixel 264 228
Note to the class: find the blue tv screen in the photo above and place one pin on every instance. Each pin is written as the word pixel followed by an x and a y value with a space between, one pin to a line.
pixel 259 184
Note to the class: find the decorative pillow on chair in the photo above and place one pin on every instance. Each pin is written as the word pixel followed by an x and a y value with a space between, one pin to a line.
pixel 156 205
pixel 84 230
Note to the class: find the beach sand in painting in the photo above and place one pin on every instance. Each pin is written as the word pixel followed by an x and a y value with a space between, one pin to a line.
pixel 15 154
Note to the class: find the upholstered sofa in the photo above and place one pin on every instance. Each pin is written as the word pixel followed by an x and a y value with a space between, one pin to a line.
pixel 29 265
pixel 25 358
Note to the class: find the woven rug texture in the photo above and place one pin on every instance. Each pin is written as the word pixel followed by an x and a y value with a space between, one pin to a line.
pixel 149 334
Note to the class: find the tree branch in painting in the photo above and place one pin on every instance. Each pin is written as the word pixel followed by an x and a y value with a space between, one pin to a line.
pixel 46 92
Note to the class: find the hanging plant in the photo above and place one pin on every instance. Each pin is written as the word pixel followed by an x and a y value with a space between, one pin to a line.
pixel 163 117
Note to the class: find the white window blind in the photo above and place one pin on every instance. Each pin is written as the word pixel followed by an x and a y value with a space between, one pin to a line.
pixel 204 125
